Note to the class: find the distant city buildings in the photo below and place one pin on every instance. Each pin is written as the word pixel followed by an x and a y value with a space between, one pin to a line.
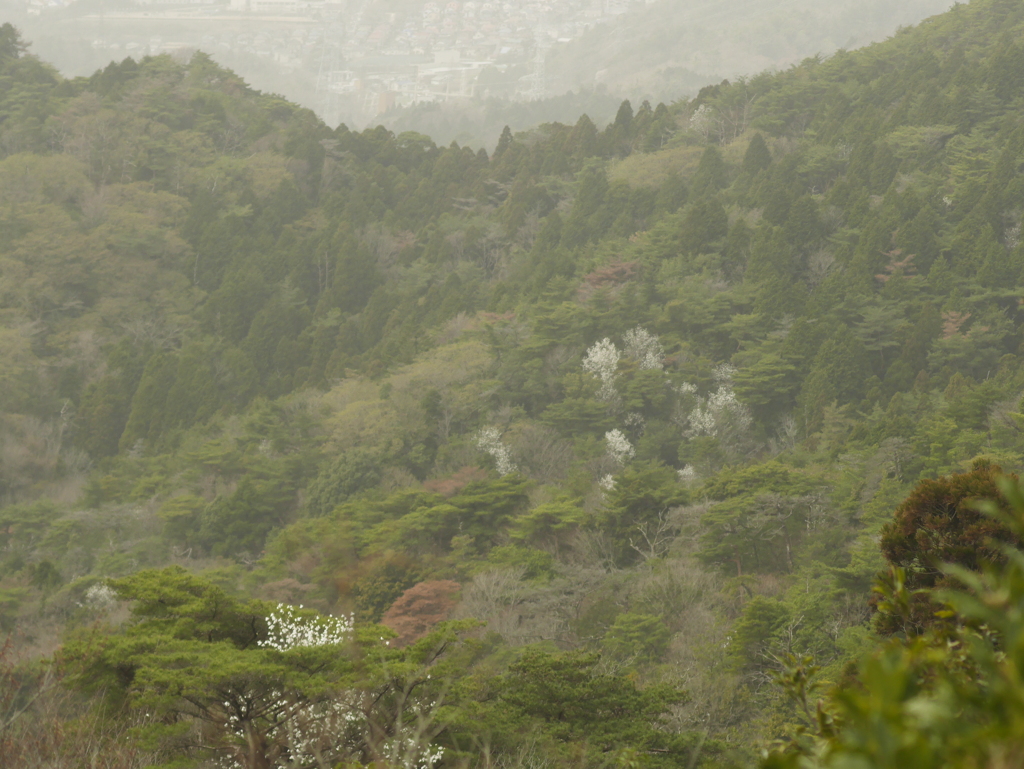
pixel 375 54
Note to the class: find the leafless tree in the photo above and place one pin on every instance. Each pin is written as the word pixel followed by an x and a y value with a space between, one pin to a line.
pixel 653 538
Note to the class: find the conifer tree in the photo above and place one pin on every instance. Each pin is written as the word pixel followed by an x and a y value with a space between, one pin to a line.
pixel 757 157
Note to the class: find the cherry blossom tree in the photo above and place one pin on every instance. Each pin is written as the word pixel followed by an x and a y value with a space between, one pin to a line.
pixel 602 360
pixel 620 450
pixel 489 441
pixel 645 348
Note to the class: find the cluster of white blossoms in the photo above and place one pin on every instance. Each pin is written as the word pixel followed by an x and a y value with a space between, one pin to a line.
pixel 1012 236
pixel 644 347
pixel 489 441
pixel 716 415
pixel 635 419
pixel 618 446
pixel 723 373
pixel 602 360
pixel 409 753
pixel 310 728
pixel 719 408
pixel 687 475
pixel 286 629
pixel 702 120
pixel 100 596
pixel 306 728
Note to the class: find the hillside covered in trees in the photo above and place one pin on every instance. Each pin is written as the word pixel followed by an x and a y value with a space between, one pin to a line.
pixel 667 47
pixel 616 447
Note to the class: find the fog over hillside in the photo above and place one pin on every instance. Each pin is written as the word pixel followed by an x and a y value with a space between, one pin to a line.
pixel 664 51
pixel 664 48
pixel 462 70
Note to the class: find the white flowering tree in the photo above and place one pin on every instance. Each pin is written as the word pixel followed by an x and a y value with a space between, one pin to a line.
pixel 723 373
pixel 719 414
pixel 602 360
pixel 645 348
pixel 289 628
pixel 488 440
pixel 714 411
pixel 703 122
pixel 687 475
pixel 255 686
pixel 619 449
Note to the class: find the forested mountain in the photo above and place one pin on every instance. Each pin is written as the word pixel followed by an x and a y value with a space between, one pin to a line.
pixel 534 62
pixel 665 47
pixel 326 448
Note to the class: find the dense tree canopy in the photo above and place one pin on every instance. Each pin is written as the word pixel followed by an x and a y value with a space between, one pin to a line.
pixel 632 406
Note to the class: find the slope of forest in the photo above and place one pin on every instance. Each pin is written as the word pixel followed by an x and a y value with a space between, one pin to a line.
pixel 663 48
pixel 662 51
pixel 630 407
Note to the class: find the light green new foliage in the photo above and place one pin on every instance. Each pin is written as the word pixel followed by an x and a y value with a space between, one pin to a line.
pixel 642 637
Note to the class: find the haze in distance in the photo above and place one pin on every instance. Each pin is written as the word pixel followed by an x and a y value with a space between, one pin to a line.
pixel 462 69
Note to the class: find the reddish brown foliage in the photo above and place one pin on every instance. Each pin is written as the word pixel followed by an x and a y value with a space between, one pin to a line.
pixel 611 275
pixel 420 608
pixel 456 482
pixel 936 525
pixel 952 321
pixel 897 266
